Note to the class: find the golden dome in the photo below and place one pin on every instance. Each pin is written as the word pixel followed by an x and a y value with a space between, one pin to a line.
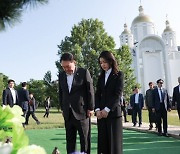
pixel 126 31
pixel 168 28
pixel 142 17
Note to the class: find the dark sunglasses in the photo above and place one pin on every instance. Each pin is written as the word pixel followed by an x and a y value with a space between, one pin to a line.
pixel 161 82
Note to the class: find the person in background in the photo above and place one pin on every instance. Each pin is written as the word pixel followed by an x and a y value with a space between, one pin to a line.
pixel 149 102
pixel 176 98
pixel 161 105
pixel 31 110
pixel 137 103
pixel 47 105
pixel 23 95
pixel 129 107
pixel 10 95
pixel 107 105
pixel 123 108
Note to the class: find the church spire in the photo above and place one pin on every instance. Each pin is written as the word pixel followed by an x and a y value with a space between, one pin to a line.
pixel 125 26
pixel 169 36
pixel 126 37
pixel 141 10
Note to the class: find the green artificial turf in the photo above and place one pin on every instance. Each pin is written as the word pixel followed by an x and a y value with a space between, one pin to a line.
pixel 133 142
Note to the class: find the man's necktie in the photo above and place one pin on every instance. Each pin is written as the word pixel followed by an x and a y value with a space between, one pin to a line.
pixel 162 98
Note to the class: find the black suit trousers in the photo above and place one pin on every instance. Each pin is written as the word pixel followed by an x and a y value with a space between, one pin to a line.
pixel 73 126
pixel 161 114
pixel 178 110
pixel 152 116
pixel 137 110
pixel 110 135
pixel 123 109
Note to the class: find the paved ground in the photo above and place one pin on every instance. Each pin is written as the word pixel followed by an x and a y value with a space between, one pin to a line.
pixel 173 131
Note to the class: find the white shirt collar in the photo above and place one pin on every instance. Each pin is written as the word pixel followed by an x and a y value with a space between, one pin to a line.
pixel 108 71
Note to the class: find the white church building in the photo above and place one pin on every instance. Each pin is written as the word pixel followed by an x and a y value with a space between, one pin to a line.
pixel 154 56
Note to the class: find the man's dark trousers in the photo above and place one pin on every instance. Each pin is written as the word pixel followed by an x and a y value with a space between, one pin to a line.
pixel 72 126
pixel 162 113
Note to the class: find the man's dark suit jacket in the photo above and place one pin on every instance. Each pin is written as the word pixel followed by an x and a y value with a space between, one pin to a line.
pixel 8 99
pixel 23 96
pixel 176 97
pixel 81 96
pixel 141 101
pixel 156 99
pixel 108 95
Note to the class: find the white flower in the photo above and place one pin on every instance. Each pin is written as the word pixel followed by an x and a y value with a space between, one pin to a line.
pixel 17 112
pixel 31 149
pixel 5 148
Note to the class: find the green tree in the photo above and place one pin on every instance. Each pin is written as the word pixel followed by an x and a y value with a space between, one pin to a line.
pixel 11 10
pixel 125 65
pixel 3 84
pixel 51 89
pixel 88 38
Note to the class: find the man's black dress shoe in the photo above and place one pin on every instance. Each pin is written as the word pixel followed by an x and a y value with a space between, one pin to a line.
pixel 159 134
pixel 166 135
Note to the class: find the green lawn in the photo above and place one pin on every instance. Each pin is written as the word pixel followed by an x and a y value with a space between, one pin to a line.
pixel 133 142
pixel 51 133
pixel 55 119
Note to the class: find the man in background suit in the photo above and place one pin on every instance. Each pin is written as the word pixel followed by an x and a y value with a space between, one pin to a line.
pixel 149 102
pixel 123 108
pixel 161 105
pixel 23 95
pixel 10 96
pixel 76 96
pixel 176 97
pixel 137 103
pixel 31 110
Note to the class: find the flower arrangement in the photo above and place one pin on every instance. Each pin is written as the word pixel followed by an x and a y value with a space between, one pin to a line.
pixel 13 139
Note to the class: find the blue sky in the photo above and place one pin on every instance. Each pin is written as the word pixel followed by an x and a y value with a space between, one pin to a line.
pixel 29 49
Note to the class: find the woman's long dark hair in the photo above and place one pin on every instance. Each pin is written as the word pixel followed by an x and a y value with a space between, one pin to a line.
pixel 110 59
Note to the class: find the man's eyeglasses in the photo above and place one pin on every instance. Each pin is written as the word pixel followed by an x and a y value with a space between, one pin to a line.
pixel 161 82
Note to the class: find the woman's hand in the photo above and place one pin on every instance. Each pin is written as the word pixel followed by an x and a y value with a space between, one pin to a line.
pixel 98 114
pixel 104 113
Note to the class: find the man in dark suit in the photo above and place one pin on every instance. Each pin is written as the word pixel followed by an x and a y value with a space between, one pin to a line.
pixel 149 102
pixel 123 108
pixel 137 103
pixel 176 97
pixel 23 95
pixel 10 96
pixel 76 101
pixel 31 110
pixel 161 105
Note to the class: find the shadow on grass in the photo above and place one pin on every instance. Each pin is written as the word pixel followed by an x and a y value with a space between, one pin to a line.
pixel 136 142
pixel 133 142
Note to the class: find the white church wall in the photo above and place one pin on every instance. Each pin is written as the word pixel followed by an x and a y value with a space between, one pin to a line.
pixel 153 68
pixel 151 50
pixel 174 73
